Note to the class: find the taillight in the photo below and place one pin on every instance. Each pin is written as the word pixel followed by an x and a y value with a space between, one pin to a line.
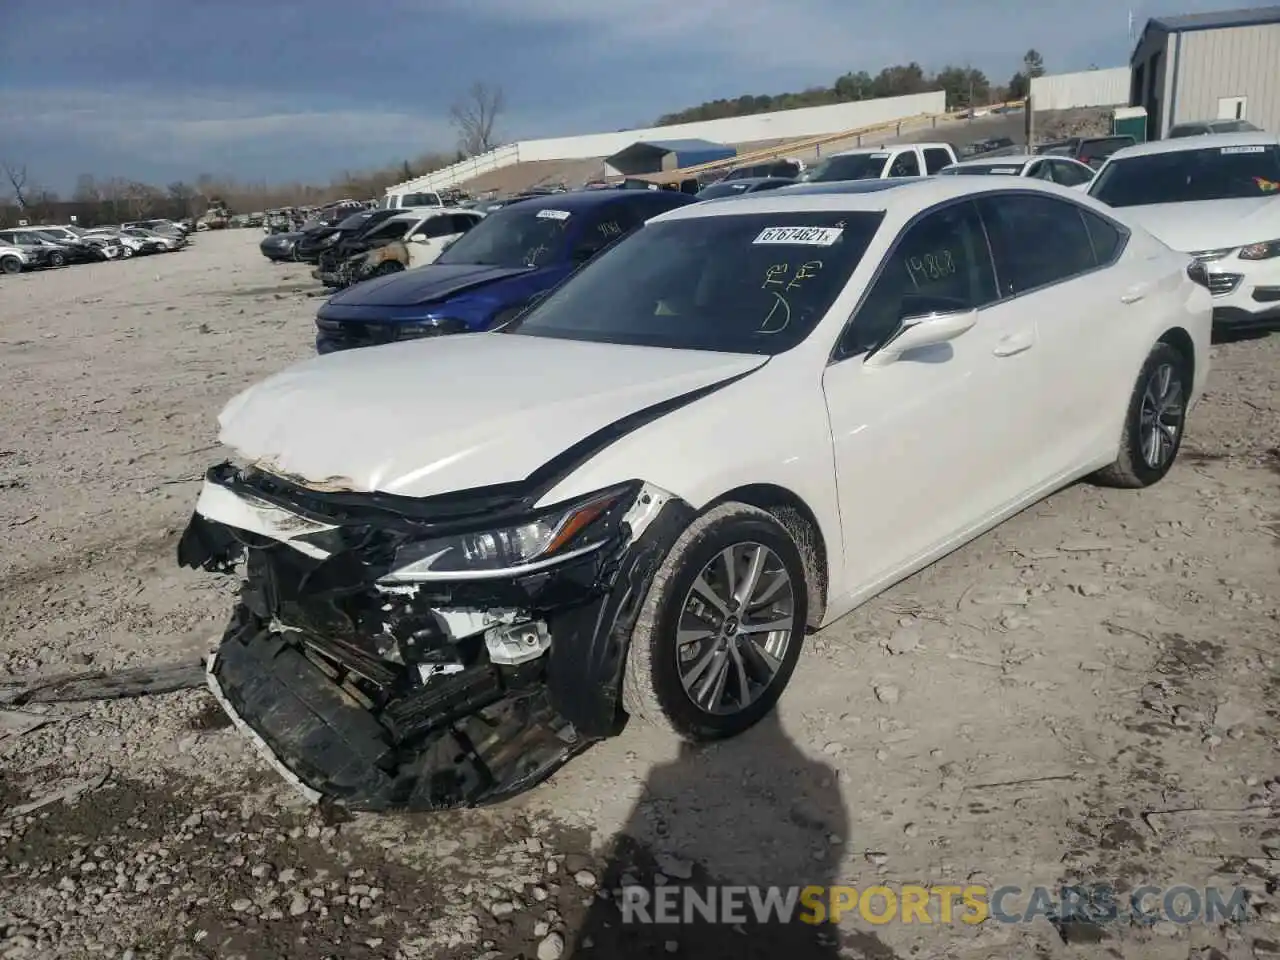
pixel 1198 274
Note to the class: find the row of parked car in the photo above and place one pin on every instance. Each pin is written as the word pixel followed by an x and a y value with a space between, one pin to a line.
pixel 653 441
pixel 405 273
pixel 58 245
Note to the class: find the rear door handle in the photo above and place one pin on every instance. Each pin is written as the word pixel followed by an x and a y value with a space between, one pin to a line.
pixel 1013 343
pixel 1135 293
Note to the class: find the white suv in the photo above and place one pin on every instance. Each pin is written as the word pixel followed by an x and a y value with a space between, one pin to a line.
pixel 1217 198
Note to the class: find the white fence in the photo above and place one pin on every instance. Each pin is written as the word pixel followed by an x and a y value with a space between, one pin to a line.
pixel 1090 88
pixel 780 125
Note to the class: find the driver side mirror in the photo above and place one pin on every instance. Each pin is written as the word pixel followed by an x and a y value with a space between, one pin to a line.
pixel 923 330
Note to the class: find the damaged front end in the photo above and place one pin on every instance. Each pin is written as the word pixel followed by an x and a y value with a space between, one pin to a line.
pixel 401 653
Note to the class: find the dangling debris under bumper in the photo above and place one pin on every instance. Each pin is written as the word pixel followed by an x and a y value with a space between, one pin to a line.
pixel 378 698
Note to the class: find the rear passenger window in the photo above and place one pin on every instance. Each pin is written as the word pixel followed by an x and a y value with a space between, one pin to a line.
pixel 1107 239
pixel 935 158
pixel 905 165
pixel 1036 241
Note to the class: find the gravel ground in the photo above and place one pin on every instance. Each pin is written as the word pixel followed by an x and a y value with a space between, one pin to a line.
pixel 1087 693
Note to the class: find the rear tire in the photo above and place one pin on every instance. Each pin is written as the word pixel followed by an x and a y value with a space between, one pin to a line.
pixel 1153 423
pixel 694 628
pixel 10 265
pixel 126 253
pixel 57 260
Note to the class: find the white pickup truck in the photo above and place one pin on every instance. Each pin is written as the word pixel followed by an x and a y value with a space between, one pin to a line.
pixel 881 163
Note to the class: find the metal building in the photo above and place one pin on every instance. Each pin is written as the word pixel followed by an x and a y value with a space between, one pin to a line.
pixel 1208 66
pixel 656 156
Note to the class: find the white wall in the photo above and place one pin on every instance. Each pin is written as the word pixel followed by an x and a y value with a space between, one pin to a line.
pixel 1089 88
pixel 780 125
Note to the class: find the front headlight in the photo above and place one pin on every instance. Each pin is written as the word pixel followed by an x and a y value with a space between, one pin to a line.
pixel 1260 251
pixel 559 534
pixel 430 327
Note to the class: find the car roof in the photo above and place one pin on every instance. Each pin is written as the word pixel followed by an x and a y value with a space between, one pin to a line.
pixel 885 148
pixel 422 213
pixel 1003 160
pixel 904 196
pixel 751 181
pixel 1208 141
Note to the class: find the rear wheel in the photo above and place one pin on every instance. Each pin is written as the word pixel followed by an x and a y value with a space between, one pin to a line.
pixel 721 628
pixel 126 252
pixel 1153 423
pixel 57 259
pixel 10 264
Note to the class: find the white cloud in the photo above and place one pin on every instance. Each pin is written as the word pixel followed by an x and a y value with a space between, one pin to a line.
pixel 817 35
pixel 183 126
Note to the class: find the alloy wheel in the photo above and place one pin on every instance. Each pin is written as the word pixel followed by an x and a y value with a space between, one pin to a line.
pixel 734 629
pixel 1161 416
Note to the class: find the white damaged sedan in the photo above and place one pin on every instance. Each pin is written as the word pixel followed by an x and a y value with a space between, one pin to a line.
pixel 465 559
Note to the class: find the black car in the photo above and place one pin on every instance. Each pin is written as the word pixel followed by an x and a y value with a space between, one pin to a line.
pixel 735 188
pixel 44 250
pixel 1088 150
pixel 326 236
pixel 280 246
pixel 779 167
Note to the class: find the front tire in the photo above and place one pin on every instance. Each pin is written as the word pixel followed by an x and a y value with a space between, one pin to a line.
pixel 1154 421
pixel 721 628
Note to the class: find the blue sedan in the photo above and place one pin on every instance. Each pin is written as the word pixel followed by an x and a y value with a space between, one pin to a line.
pixel 491 273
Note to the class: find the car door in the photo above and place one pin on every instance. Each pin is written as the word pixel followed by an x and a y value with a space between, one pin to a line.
pixel 1057 262
pixel 927 447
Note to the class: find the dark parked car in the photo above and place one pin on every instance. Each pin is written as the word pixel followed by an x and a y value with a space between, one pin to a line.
pixel 327 236
pixel 780 167
pixel 734 188
pixel 1090 150
pixel 490 274
pixel 280 246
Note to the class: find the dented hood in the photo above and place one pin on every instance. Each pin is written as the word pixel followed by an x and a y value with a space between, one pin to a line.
pixel 1210 224
pixel 424 284
pixel 452 413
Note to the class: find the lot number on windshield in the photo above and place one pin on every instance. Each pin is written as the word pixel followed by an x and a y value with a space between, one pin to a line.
pixel 808 236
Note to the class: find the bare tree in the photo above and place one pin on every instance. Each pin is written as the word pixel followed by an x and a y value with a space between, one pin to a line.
pixel 17 176
pixel 475 117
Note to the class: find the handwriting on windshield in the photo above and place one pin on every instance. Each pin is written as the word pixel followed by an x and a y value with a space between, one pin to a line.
pixel 779 278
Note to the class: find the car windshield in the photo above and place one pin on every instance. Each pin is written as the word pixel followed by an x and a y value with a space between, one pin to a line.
pixel 852 166
pixel 514 236
pixel 353 222
pixel 981 169
pixel 745 283
pixel 725 188
pixel 1233 172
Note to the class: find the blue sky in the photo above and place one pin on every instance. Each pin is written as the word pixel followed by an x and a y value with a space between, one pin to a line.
pixel 280 90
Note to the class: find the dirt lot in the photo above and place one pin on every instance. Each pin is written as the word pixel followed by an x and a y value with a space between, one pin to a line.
pixel 1086 694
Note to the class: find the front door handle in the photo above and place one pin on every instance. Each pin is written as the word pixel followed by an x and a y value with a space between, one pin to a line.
pixel 1014 343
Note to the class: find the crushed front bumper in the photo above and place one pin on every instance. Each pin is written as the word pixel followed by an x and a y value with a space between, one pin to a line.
pixel 375 698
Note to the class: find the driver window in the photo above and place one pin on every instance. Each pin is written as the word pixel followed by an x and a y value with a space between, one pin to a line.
pixel 940 263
